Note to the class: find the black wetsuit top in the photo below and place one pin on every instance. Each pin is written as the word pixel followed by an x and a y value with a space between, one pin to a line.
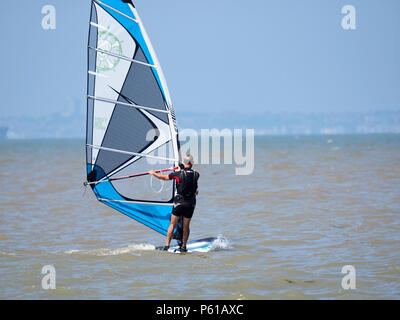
pixel 185 200
pixel 186 186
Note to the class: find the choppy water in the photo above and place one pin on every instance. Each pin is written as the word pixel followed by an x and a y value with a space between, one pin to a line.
pixel 313 205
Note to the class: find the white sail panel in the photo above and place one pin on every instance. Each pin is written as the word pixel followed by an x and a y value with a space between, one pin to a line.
pixel 110 72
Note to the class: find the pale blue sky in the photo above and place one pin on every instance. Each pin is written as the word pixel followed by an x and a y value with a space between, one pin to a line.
pixel 225 55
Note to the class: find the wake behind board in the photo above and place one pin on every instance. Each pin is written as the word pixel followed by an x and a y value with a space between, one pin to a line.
pixel 201 245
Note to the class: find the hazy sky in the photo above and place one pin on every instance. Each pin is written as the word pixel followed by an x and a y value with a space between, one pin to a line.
pixel 217 55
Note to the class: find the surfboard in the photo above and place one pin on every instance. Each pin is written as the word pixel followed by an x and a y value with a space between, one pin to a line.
pixel 201 245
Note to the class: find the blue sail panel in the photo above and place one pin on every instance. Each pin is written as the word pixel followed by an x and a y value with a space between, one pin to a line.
pixel 157 217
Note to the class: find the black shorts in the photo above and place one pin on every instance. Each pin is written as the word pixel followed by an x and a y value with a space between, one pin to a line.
pixel 183 209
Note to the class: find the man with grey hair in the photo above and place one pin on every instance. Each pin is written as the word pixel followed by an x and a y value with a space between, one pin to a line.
pixel 184 200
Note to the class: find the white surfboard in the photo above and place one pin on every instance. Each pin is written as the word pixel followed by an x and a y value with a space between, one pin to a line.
pixel 201 245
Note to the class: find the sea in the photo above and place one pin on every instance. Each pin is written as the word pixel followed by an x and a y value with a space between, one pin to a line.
pixel 319 218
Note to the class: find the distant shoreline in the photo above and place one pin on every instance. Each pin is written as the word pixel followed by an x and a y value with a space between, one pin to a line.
pixel 257 135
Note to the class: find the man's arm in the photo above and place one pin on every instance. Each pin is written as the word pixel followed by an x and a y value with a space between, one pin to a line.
pixel 159 175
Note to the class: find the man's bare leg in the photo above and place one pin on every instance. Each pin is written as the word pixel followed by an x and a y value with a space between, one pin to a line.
pixel 170 233
pixel 186 231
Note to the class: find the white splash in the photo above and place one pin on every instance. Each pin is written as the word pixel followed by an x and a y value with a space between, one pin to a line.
pixel 113 252
pixel 6 253
pixel 221 243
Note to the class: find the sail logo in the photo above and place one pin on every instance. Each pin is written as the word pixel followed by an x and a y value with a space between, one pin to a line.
pixel 100 123
pixel 109 43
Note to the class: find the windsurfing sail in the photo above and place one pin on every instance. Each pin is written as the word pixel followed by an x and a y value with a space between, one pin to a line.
pixel 131 126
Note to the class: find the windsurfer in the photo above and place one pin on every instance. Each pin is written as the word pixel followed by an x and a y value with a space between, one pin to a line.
pixel 184 200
